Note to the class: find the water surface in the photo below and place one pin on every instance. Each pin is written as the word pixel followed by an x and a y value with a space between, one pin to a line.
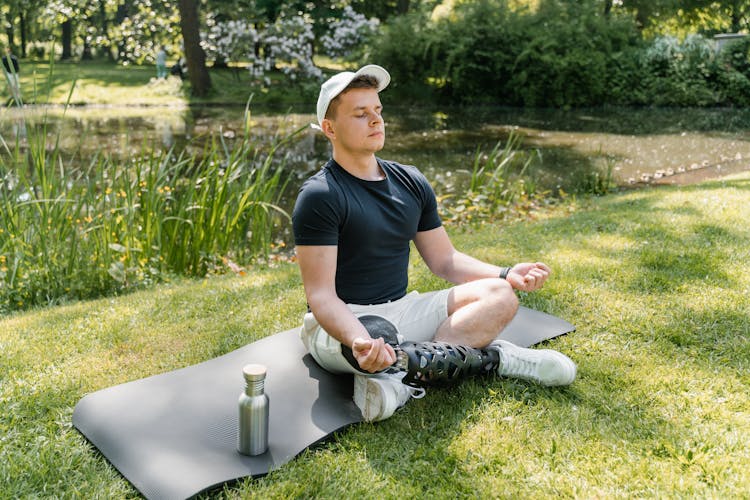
pixel 637 145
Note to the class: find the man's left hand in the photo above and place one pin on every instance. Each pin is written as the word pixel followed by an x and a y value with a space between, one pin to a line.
pixel 528 276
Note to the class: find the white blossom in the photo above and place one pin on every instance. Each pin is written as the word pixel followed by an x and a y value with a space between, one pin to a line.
pixel 287 44
pixel 347 33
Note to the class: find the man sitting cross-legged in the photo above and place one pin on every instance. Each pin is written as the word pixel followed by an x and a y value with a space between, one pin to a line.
pixel 353 223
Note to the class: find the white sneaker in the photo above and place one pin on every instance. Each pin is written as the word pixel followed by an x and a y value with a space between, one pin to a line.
pixel 379 395
pixel 543 366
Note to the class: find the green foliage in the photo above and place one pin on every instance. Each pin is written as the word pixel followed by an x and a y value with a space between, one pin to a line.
pixel 500 186
pixel 565 57
pixel 563 54
pixel 70 232
pixel 480 48
pixel 596 181
pixel 406 46
pixel 734 81
pixel 736 55
pixel 487 52
pixel 679 73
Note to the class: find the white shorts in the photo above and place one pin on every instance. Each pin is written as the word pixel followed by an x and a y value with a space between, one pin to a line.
pixel 417 316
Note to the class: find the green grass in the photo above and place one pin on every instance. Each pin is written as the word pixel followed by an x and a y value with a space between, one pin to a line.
pixel 656 281
pixel 104 83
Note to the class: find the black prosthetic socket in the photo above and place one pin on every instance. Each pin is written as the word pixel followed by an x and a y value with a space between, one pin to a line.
pixel 434 363
pixel 377 327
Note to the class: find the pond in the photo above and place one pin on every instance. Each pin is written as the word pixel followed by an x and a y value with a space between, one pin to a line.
pixel 638 146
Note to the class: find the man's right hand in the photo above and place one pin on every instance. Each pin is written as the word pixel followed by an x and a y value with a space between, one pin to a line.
pixel 373 355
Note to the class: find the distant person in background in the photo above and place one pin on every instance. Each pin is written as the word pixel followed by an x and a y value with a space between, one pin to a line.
pixel 11 68
pixel 161 63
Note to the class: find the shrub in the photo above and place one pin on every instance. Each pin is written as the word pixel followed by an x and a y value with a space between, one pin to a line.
pixel 499 186
pixel 487 51
pixel 478 47
pixel 407 48
pixel 564 61
pixel 736 56
pixel 564 54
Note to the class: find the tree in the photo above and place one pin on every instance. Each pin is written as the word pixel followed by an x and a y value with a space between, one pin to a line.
pixel 194 55
pixel 15 15
pixel 698 15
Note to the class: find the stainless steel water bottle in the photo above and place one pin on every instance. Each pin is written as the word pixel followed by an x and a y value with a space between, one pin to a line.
pixel 253 406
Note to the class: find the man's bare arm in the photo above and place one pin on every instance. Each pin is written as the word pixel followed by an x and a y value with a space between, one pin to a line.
pixel 318 267
pixel 445 261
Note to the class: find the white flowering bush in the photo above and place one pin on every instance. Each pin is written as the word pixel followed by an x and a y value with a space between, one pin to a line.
pixel 348 34
pixel 287 44
pixel 290 46
pixel 230 40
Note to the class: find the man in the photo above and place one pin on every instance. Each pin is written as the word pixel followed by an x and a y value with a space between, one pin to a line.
pixel 11 68
pixel 353 222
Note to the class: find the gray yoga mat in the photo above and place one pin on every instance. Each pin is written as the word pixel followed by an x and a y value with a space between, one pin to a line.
pixel 174 435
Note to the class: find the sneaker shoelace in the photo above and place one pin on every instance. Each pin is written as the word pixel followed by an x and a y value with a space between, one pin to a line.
pixel 417 392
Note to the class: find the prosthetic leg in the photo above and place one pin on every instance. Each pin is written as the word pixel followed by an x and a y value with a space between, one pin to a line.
pixel 438 363
pixel 429 363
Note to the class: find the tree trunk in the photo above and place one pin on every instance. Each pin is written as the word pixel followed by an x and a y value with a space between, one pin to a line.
pixel 402 7
pixel 22 24
pixel 105 29
pixel 194 55
pixel 86 54
pixel 607 7
pixel 736 19
pixel 67 40
pixel 120 15
pixel 10 34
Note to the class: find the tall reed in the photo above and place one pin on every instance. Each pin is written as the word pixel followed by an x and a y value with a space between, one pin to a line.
pixel 72 231
pixel 499 185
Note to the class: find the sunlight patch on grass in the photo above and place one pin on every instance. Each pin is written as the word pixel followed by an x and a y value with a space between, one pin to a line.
pixel 155 92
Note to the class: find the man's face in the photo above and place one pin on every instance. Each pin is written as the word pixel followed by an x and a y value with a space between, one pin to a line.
pixel 357 125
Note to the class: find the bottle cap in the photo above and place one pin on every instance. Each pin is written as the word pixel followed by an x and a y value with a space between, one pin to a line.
pixel 254 372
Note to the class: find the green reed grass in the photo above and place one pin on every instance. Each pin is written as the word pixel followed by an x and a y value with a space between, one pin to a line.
pixel 500 183
pixel 72 231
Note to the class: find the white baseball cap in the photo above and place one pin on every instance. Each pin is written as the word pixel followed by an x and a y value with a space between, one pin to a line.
pixel 338 82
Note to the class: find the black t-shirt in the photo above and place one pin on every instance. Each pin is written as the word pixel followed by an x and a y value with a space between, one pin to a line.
pixel 371 222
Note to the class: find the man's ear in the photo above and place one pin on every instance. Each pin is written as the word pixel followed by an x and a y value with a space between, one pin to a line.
pixel 328 130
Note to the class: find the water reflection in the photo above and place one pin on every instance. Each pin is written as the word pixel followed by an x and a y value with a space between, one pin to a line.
pixel 639 145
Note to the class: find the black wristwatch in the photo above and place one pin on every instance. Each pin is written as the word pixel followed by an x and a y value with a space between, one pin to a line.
pixel 504 272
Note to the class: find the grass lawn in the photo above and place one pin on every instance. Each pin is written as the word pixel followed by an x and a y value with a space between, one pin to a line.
pixel 656 281
pixel 104 83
